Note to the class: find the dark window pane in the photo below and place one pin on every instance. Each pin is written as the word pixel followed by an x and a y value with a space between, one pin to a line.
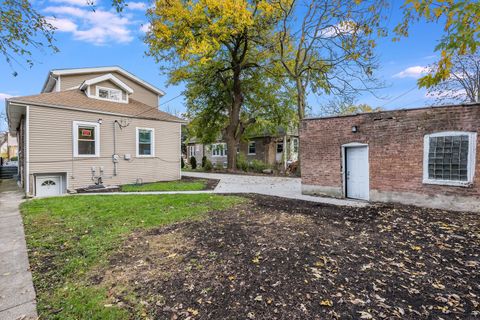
pixel 144 149
pixel 86 147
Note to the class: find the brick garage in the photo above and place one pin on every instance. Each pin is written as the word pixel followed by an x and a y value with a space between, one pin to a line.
pixel 396 142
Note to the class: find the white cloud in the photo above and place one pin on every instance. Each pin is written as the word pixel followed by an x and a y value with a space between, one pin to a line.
pixel 62 25
pixel 146 27
pixel 81 3
pixel 4 96
pixel 98 27
pixel 341 28
pixel 412 72
pixel 136 5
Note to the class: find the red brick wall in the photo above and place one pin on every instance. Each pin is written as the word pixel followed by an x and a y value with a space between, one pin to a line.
pixel 395 140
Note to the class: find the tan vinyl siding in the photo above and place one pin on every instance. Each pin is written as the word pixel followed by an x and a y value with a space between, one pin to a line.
pixel 51 148
pixel 140 93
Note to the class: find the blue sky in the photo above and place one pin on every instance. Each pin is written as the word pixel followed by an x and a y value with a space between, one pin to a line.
pixel 102 38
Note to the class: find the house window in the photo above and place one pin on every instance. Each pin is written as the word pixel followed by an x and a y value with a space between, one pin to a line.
pixel 145 142
pixel 449 158
pixel 109 94
pixel 219 150
pixel 86 139
pixel 279 147
pixel 191 151
pixel 295 145
pixel 251 148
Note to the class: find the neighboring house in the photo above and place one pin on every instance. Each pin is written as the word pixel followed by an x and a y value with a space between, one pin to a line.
pixel 277 149
pixel 93 126
pixel 8 146
pixel 427 157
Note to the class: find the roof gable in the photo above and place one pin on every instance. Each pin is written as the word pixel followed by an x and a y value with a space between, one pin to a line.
pixel 106 77
pixel 51 78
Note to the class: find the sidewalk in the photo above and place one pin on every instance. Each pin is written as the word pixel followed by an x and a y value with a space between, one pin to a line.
pixel 17 295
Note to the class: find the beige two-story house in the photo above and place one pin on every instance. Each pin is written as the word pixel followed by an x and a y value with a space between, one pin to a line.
pixel 91 127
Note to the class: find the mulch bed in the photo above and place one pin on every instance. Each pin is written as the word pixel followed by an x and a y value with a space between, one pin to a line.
pixel 275 258
pixel 209 185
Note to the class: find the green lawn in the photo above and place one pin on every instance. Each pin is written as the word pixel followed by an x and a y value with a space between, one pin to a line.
pixel 166 186
pixel 70 237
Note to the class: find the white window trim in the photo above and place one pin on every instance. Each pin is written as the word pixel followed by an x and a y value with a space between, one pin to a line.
pixel 152 143
pixel 224 153
pixel 97 96
pixel 75 126
pixel 472 144
pixel 293 145
pixel 255 146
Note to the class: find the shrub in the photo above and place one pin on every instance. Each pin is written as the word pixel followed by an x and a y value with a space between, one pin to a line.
pixel 204 161
pixel 14 158
pixel 182 162
pixel 258 165
pixel 242 163
pixel 208 165
pixel 193 163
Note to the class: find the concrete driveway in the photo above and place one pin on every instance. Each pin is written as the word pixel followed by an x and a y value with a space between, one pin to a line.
pixel 273 186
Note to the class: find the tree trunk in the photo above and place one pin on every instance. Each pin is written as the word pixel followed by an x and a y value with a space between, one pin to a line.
pixel 300 99
pixel 301 116
pixel 232 132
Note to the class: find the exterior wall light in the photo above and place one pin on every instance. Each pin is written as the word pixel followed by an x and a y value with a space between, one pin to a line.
pixel 354 129
pixel 100 121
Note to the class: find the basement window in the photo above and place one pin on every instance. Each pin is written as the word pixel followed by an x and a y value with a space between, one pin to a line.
pixel 252 148
pixel 86 139
pixel 449 158
pixel 145 142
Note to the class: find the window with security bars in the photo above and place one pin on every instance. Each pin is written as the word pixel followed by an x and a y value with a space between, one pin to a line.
pixel 450 157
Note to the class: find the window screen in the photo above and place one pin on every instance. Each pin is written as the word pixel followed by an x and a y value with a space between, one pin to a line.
pixel 448 158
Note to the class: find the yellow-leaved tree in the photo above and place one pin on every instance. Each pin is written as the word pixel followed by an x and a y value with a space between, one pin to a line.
pixel 225 39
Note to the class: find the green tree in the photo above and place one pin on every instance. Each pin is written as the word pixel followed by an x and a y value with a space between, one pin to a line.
pixel 460 20
pixel 463 83
pixel 268 103
pixel 346 106
pixel 23 29
pixel 326 47
pixel 222 39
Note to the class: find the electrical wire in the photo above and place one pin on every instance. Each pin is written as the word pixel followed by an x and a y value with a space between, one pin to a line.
pixel 399 96
pixel 156 108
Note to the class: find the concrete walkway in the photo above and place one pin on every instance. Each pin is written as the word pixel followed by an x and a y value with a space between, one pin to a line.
pixel 17 296
pixel 272 186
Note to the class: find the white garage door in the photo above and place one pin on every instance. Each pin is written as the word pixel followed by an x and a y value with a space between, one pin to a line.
pixel 47 186
pixel 357 176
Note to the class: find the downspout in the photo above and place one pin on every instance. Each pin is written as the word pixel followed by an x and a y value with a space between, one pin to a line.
pixel 115 156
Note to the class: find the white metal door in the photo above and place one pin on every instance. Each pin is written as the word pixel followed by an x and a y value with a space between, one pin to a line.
pixel 47 186
pixel 356 176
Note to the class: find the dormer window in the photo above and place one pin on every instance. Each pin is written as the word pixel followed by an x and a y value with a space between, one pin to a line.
pixel 93 89
pixel 109 94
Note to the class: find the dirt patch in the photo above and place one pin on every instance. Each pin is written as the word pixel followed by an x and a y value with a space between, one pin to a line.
pixel 275 258
pixel 210 184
